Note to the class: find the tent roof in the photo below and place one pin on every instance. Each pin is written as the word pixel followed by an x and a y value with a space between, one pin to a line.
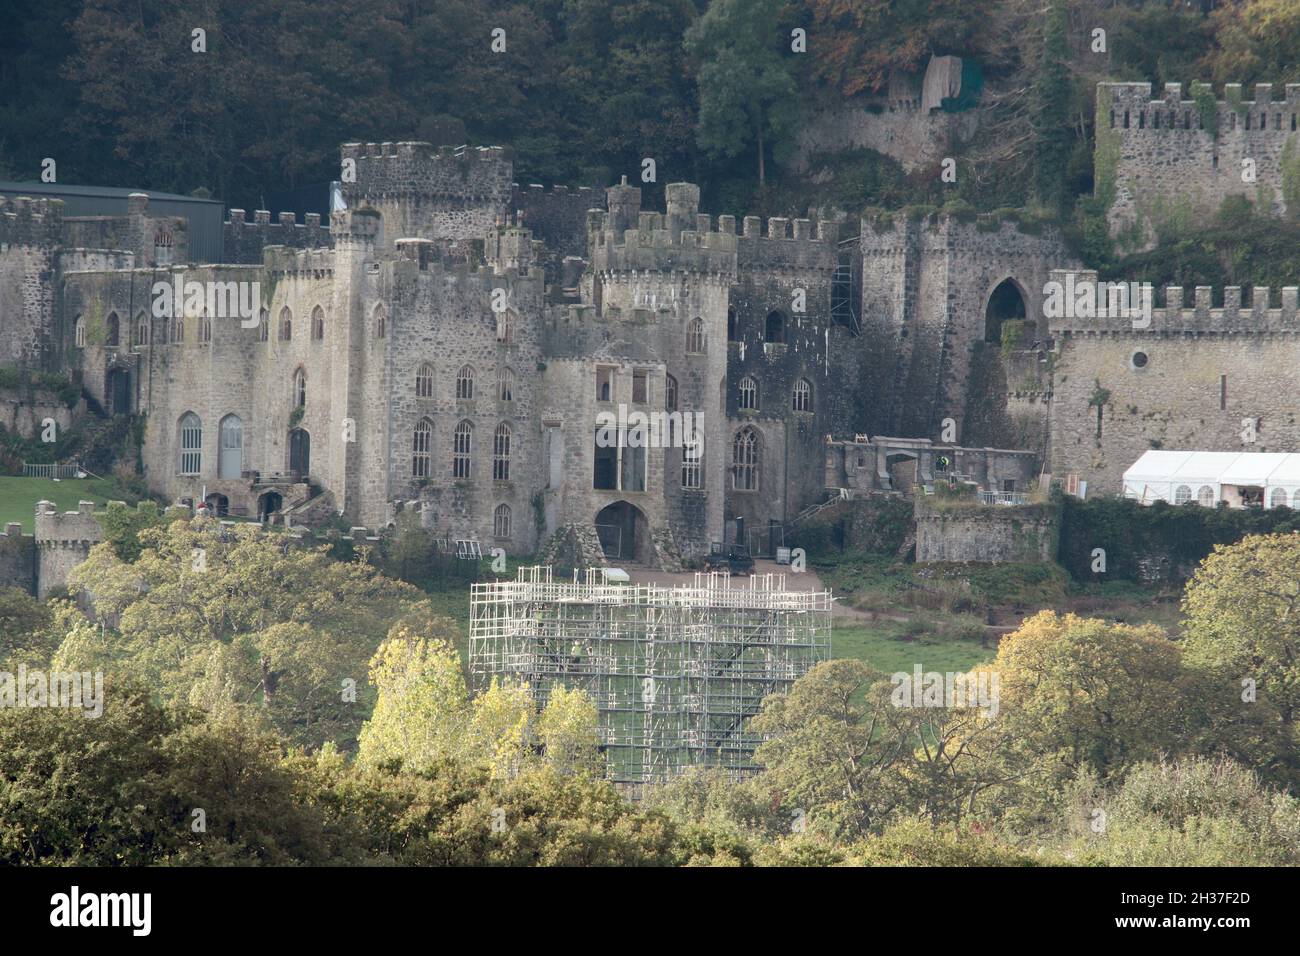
pixel 1156 466
pixel 1205 467
pixel 1253 468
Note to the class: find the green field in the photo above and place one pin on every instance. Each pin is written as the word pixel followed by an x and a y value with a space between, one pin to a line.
pixel 18 496
pixel 891 648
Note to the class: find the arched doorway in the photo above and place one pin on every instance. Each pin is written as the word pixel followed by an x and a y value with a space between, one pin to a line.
pixel 1005 304
pixel 624 532
pixel 300 452
pixel 218 505
pixel 117 391
pixel 230 451
pixel 267 505
pixel 902 471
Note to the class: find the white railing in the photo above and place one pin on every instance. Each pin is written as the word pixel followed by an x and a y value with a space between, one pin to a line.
pixel 49 470
pixel 1004 497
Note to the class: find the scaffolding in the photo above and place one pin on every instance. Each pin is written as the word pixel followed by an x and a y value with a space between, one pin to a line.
pixel 675 672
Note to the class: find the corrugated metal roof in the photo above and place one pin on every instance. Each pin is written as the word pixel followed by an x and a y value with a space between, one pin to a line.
pixel 205 216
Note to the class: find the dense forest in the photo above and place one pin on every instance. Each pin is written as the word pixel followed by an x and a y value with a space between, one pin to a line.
pixel 120 92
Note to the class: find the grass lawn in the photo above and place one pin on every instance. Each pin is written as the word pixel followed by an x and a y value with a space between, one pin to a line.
pixel 18 496
pixel 890 648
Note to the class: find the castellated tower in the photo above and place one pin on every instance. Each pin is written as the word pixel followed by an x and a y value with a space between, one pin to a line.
pixel 447 194
pixel 652 339
pixel 936 291
pixel 357 416
pixel 30 237
pixel 1172 157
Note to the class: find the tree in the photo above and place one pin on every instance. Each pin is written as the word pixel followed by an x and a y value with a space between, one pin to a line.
pixel 1242 625
pixel 566 730
pixel 747 90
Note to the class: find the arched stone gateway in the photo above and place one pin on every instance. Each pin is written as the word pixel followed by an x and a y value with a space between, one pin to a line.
pixel 268 504
pixel 624 533
pixel 1006 303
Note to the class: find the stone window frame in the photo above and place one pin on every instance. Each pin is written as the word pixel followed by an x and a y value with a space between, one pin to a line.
pixel 670 393
pixel 140 331
pixel 501 452
pixel 318 324
pixel 422 449
pixel 112 331
pixel 424 380
pixel 461 450
pixel 745 460
pixel 264 325
pixel 696 337
pixel 507 323
pixel 286 324
pixel 379 321
pixel 465 383
pixel 299 387
pixel 501 521
pixel 79 331
pixel 692 465
pixel 506 383
pixel 641 376
pixel 177 334
pixel 801 396
pixel 748 398
pixel 205 329
pixel 189 440
pixel 605 377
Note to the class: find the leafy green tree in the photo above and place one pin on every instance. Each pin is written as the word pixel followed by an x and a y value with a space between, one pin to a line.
pixel 746 86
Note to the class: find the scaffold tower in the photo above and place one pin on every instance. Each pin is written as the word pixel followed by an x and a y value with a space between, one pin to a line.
pixel 675 672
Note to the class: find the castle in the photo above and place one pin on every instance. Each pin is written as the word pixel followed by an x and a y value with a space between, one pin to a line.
pixel 451 343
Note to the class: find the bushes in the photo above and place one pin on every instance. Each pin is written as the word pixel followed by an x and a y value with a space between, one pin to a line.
pixel 1161 542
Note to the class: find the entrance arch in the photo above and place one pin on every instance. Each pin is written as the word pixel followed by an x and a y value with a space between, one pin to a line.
pixel 1005 304
pixel 268 504
pixel 300 452
pixel 218 505
pixel 117 389
pixel 624 532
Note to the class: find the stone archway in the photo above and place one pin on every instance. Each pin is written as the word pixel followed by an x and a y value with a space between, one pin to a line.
pixel 624 533
pixel 1007 302
pixel 268 504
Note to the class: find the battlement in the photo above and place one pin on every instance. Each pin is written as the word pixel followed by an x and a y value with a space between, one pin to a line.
pixel 67 529
pixel 393 170
pixel 892 227
pixel 30 222
pixel 1259 311
pixel 1130 107
pixel 283 260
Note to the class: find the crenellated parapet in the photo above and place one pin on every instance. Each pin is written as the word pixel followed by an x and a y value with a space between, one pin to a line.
pixel 413 169
pixel 1093 307
pixel 31 222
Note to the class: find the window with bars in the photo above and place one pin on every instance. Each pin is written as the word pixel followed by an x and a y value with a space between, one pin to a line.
pixel 421 449
pixel 424 381
pixel 744 461
pixel 501 453
pixel 191 444
pixel 695 338
pixel 501 522
pixel 465 384
pixel 692 464
pixel 748 393
pixel 802 399
pixel 460 451
pixel 506 384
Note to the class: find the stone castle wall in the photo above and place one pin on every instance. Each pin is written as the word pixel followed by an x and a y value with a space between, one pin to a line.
pixel 1189 379
pixel 1165 157
pixel 30 231
pixel 990 534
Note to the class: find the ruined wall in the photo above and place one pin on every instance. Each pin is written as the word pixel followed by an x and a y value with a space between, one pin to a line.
pixel 22 410
pixel 1188 380
pixel 1160 158
pixel 987 534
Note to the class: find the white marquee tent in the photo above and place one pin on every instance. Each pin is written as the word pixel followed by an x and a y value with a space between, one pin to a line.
pixel 1240 479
